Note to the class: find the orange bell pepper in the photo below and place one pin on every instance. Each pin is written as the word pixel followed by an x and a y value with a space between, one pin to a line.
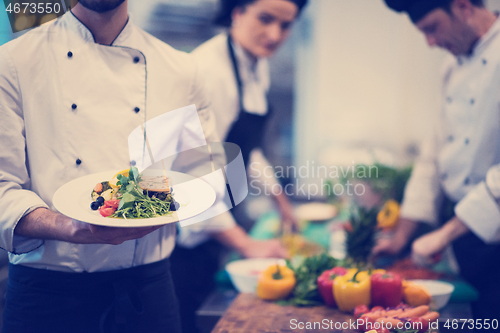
pixel 415 295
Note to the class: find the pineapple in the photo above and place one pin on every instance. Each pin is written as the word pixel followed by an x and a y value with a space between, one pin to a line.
pixel 361 237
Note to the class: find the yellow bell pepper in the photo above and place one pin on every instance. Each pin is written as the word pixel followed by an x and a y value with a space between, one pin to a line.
pixel 415 294
pixel 363 274
pixel 275 282
pixel 350 291
pixel 388 216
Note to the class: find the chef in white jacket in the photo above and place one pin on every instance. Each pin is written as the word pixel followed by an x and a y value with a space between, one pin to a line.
pixel 460 164
pixel 236 71
pixel 71 92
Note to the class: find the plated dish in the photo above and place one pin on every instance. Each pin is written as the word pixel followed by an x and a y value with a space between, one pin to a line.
pixel 131 195
pixel 74 199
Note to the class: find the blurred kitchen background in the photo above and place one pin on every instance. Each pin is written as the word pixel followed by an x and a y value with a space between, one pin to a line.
pixel 354 83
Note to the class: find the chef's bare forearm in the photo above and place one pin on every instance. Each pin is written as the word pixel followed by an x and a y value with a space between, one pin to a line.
pixel 235 238
pixel 406 228
pixel 281 199
pixel 42 223
pixel 453 229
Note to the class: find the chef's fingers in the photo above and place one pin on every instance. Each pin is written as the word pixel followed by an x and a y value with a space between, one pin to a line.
pixel 421 260
pixel 112 235
pixel 383 245
pixel 282 252
pixel 87 233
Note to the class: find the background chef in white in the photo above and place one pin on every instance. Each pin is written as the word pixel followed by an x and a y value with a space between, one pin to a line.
pixel 235 66
pixel 71 92
pixel 459 167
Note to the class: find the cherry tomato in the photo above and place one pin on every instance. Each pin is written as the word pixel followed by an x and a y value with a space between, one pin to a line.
pixel 106 211
pixel 112 203
pixel 360 310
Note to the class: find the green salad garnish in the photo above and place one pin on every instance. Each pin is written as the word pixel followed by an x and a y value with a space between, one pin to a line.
pixel 134 204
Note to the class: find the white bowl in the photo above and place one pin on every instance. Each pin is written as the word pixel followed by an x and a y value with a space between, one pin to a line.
pixel 315 211
pixel 440 291
pixel 244 273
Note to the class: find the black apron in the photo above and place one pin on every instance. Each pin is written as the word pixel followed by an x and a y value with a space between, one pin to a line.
pixel 194 281
pixel 137 299
pixel 479 264
pixel 248 129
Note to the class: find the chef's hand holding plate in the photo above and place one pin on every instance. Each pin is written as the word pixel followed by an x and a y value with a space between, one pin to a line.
pixel 86 233
pixel 43 223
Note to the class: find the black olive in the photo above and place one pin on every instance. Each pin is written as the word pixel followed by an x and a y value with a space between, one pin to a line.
pixel 174 205
pixel 94 205
pixel 100 200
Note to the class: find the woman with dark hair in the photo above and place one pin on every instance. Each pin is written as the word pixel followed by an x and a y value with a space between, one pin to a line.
pixel 236 71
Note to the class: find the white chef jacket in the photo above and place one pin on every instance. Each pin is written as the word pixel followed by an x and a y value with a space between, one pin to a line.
pixel 67 106
pixel 462 159
pixel 215 63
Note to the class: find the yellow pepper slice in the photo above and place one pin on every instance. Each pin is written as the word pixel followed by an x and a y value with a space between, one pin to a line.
pixel 113 180
pixel 388 216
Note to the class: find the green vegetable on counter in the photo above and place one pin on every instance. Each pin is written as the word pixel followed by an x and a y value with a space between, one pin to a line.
pixel 306 291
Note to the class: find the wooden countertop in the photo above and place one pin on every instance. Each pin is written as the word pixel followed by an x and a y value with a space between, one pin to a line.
pixel 248 314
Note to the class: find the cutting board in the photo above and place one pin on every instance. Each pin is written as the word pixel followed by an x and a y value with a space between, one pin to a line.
pixel 248 313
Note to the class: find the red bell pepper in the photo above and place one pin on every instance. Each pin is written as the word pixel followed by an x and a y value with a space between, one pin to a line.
pixel 386 289
pixel 325 284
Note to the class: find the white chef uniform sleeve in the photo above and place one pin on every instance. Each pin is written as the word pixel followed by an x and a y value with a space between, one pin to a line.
pixel 16 199
pixel 479 208
pixel 423 194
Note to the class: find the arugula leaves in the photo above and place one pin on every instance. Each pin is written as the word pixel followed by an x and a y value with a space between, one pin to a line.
pixel 306 291
pixel 134 203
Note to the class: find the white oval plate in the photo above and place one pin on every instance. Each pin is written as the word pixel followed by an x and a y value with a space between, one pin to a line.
pixel 73 199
